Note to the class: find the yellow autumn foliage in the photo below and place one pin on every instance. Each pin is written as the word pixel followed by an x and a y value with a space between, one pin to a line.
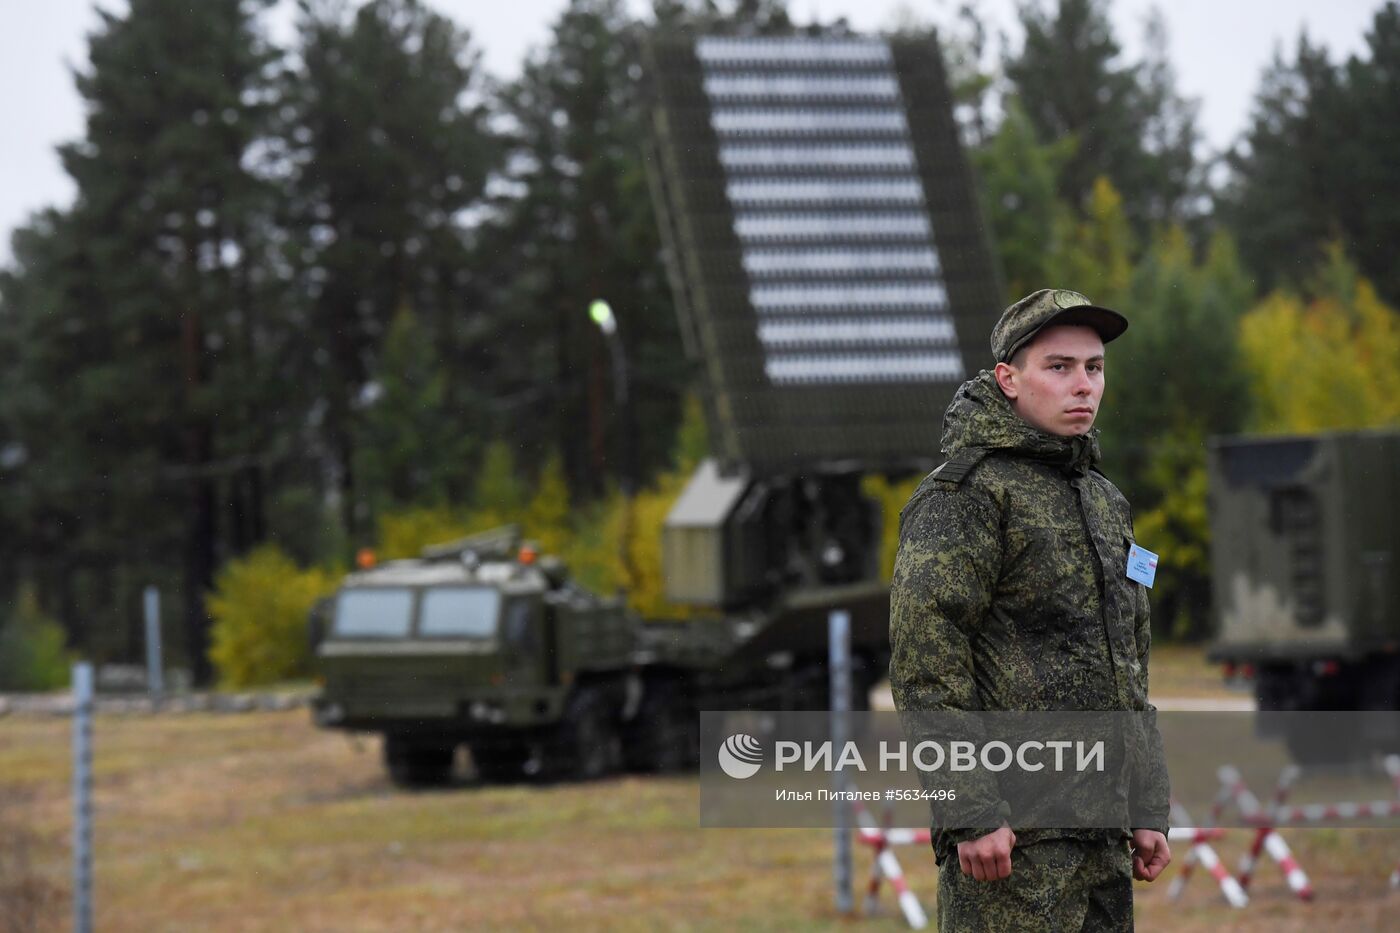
pixel 405 533
pixel 1332 363
pixel 260 606
pixel 892 495
pixel 1093 254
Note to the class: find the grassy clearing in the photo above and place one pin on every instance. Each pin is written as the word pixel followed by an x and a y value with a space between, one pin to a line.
pixel 1183 671
pixel 260 822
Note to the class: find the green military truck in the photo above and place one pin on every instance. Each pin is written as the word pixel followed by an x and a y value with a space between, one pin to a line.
pixel 482 644
pixel 1305 542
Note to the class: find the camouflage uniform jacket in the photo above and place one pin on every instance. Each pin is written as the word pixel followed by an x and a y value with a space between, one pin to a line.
pixel 1010 590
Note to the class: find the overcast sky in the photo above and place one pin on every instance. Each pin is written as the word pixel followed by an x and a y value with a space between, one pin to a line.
pixel 1218 48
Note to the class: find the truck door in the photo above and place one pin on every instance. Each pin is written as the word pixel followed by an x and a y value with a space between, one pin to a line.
pixel 529 639
pixel 550 625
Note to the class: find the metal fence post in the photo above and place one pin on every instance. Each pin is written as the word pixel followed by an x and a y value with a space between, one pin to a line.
pixel 155 671
pixel 839 635
pixel 82 797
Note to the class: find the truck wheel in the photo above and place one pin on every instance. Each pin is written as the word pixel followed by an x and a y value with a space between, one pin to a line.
pixel 665 736
pixel 418 763
pixel 587 745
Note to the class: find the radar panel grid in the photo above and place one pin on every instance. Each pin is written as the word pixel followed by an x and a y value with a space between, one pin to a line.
pixel 824 244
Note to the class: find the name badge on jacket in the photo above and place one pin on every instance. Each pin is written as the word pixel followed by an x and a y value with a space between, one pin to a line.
pixel 1142 565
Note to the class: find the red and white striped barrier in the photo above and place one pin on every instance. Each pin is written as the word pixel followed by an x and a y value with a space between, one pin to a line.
pixel 1194 836
pixel 1252 811
pixel 1229 887
pixel 872 893
pixel 1279 814
pixel 882 838
pixel 1202 852
pixel 1266 823
pixel 887 866
pixel 1188 863
pixel 1321 813
pixel 1332 812
pixel 896 837
pixel 1392 767
pixel 1282 786
pixel 1313 813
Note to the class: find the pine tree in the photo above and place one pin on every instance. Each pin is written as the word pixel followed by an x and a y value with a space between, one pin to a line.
pixel 153 319
pixel 1281 200
pixel 1369 158
pixel 387 135
pixel 723 16
pixel 1322 142
pixel 1127 121
pixel 408 444
pixel 1020 199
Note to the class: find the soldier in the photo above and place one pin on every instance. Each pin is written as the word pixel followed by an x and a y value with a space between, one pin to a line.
pixel 1011 592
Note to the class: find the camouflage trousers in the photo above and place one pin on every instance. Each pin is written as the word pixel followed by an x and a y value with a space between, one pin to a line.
pixel 1058 885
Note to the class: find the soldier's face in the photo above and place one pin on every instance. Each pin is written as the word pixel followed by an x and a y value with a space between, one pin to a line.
pixel 1056 382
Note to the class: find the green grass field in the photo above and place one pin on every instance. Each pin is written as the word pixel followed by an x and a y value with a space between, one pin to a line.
pixel 261 822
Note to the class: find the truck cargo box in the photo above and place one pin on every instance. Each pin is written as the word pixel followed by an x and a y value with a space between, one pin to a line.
pixel 1305 535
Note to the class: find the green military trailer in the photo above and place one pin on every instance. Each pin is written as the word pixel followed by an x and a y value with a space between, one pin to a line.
pixel 1305 541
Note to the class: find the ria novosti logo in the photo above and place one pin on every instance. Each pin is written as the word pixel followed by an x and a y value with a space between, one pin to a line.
pixel 740 756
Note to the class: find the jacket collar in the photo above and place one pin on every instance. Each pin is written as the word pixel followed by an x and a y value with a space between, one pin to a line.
pixel 981 416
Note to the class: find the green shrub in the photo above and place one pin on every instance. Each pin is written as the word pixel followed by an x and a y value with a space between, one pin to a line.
pixel 260 607
pixel 32 655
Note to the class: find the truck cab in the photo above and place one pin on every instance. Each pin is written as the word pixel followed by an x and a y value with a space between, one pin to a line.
pixel 479 643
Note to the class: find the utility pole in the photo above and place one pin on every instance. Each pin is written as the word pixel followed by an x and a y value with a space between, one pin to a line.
pixel 602 314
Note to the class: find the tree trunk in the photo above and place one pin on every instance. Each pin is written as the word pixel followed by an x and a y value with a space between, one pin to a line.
pixel 199 573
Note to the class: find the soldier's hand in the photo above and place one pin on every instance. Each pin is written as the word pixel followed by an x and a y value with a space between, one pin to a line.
pixel 1151 854
pixel 988 858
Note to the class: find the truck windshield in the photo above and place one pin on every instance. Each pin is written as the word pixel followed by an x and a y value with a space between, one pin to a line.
pixel 461 612
pixel 373 613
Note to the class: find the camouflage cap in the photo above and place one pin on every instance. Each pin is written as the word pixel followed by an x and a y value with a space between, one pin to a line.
pixel 1027 317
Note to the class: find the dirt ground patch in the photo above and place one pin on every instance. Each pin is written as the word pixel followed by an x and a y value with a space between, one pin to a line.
pixel 261 822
